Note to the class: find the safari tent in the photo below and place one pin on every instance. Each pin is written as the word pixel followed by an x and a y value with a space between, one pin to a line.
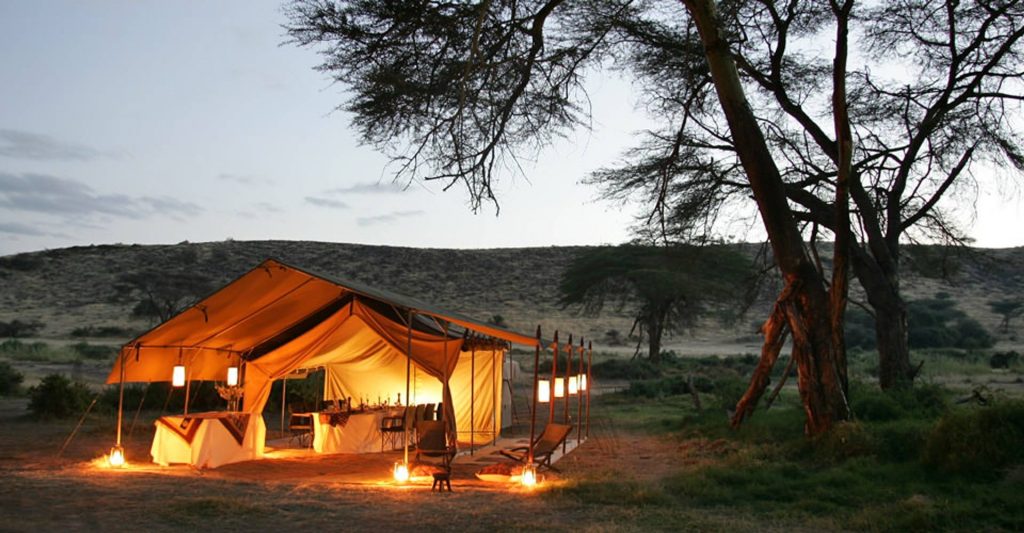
pixel 277 319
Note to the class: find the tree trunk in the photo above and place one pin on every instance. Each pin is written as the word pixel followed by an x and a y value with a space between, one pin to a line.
pixel 806 306
pixel 656 331
pixel 883 292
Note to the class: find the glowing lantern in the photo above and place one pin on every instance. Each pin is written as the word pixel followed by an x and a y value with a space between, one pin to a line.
pixel 573 385
pixel 559 387
pixel 543 391
pixel 232 376
pixel 401 472
pixel 178 376
pixel 116 457
pixel 529 478
pixel 583 382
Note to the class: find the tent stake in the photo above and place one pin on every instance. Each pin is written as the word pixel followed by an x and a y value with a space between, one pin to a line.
pixel 533 400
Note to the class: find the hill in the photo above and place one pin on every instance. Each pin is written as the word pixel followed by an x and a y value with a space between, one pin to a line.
pixel 76 287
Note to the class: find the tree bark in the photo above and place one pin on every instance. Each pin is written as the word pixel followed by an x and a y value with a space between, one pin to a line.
pixel 807 307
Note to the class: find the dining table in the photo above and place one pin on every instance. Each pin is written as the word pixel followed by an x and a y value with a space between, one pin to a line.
pixel 208 440
pixel 350 431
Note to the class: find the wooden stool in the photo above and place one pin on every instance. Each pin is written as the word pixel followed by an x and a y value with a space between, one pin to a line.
pixel 442 480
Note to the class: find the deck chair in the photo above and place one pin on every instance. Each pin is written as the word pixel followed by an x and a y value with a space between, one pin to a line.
pixel 300 425
pixel 394 427
pixel 432 442
pixel 543 446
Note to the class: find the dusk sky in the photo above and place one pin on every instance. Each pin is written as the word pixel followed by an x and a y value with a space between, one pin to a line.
pixel 159 122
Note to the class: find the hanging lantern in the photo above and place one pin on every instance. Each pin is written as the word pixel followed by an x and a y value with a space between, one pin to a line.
pixel 583 381
pixel 232 376
pixel 559 387
pixel 178 376
pixel 573 385
pixel 401 472
pixel 116 457
pixel 543 391
pixel 529 477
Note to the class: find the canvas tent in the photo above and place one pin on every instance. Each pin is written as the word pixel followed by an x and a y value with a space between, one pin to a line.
pixel 276 319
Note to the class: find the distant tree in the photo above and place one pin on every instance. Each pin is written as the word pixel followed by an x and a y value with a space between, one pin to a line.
pixel 17 328
pixel 162 294
pixel 666 288
pixel 497 320
pixel 10 379
pixel 1007 308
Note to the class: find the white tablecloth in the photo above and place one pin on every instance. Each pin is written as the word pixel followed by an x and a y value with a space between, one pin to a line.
pixel 212 444
pixel 360 434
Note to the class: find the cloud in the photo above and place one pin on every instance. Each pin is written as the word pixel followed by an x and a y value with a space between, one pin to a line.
pixel 25 145
pixel 369 187
pixel 17 228
pixel 326 202
pixel 388 218
pixel 243 179
pixel 69 199
pixel 268 207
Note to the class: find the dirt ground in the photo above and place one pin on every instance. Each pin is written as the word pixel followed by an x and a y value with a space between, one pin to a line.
pixel 41 491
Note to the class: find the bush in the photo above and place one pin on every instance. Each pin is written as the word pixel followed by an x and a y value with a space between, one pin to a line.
pixel 878 407
pixel 102 331
pixel 900 441
pixel 845 440
pixel 17 328
pixel 1004 359
pixel 978 442
pixel 93 351
pixel 620 369
pixel 58 397
pixel 10 379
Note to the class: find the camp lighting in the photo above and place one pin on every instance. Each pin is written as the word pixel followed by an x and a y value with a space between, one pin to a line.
pixel 543 391
pixel 232 376
pixel 401 472
pixel 529 477
pixel 559 387
pixel 583 381
pixel 573 385
pixel 178 376
pixel 116 457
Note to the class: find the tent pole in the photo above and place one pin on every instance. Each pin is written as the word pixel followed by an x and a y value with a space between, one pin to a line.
pixel 565 384
pixel 408 371
pixel 120 397
pixel 445 392
pixel 554 374
pixel 590 380
pixel 284 396
pixel 579 398
pixel 472 400
pixel 533 399
pixel 494 406
pixel 188 385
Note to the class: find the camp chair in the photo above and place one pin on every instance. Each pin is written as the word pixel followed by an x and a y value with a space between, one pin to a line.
pixel 543 446
pixel 300 424
pixel 393 426
pixel 432 442
pixel 428 412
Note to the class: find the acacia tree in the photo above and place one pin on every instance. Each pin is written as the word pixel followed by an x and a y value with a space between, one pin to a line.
pixel 455 91
pixel 667 287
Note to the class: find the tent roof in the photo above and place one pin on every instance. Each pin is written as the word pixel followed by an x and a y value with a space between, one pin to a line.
pixel 275 302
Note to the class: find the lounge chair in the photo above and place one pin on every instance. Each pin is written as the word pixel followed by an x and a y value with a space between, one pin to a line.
pixel 543 446
pixel 432 442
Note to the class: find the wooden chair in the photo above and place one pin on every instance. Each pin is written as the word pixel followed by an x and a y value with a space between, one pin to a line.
pixel 543 446
pixel 300 424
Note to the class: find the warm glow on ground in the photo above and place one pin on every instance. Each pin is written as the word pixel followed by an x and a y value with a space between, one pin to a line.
pixel 401 472
pixel 116 457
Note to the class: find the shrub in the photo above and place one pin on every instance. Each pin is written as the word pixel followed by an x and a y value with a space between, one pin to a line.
pixel 93 351
pixel 1004 359
pixel 10 379
pixel 845 440
pixel 619 369
pixel 900 441
pixel 102 331
pixel 17 328
pixel 878 407
pixel 58 397
pixel 978 442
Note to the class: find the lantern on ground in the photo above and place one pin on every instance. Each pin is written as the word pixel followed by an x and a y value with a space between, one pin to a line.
pixel 573 385
pixel 583 381
pixel 529 477
pixel 543 391
pixel 116 457
pixel 401 472
pixel 232 380
pixel 178 376
pixel 559 387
